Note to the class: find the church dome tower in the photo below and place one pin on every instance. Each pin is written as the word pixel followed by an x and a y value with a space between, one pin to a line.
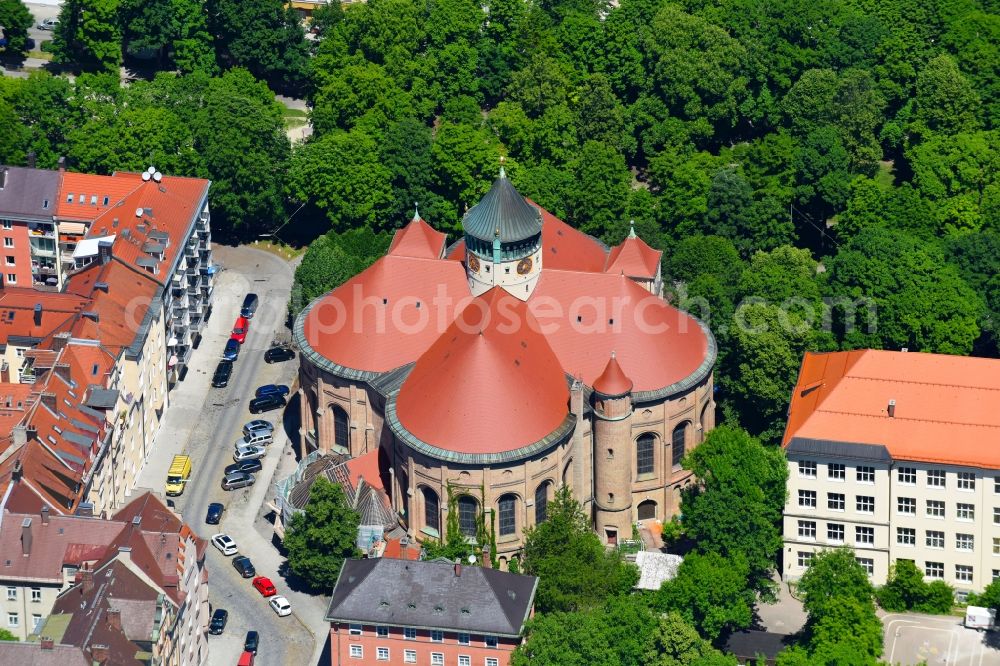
pixel 503 242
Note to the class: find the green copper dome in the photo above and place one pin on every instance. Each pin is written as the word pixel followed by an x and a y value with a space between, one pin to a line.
pixel 502 214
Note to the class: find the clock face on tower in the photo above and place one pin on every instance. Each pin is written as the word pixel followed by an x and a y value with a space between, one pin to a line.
pixel 524 266
pixel 474 263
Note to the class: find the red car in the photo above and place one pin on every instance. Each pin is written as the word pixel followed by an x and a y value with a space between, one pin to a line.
pixel 240 330
pixel 264 585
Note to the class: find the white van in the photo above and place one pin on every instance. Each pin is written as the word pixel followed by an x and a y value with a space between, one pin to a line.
pixel 255 437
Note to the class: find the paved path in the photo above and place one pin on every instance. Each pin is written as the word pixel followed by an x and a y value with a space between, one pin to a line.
pixel 911 638
pixel 204 422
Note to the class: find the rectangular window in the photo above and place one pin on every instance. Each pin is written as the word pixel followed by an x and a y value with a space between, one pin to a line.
pixel 935 478
pixel 382 632
pixel 11 278
pixel 907 505
pixel 996 574
pixel 8 224
pixel 355 630
pixel 807 468
pixel 437 659
pixel 807 529
pixel 996 485
pixel 907 475
pixel 964 542
pixel 492 661
pixel 906 536
pixel 382 654
pixel 807 499
pixel 836 471
pixel 866 474
pixel 835 533
pixel 69 198
pixel 11 593
pixel 805 558
pixel 935 508
pixel 409 633
pixel 437 636
pixel 934 569
pixel 36 622
pixel 357 652
pixel 965 511
pixel 464 660
pixel 13 620
pixel 865 504
pixel 934 539
pixel 409 656
pixel 8 242
pixel 835 501
pixel 864 535
pixel 491 641
pixel 996 545
pixel 996 515
pixel 868 564
pixel 966 480
pixel 11 260
pixel 463 639
pixel 963 573
pixel 36 595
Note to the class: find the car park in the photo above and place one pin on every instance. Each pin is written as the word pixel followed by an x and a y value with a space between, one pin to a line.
pixel 214 514
pixel 257 424
pixel 225 544
pixel 232 350
pixel 244 466
pixel 249 307
pixel 243 564
pixel 278 354
pixel 266 403
pixel 218 623
pixel 237 480
pixel 223 372
pixel 249 453
pixel 271 389
pixel 280 606
pixel 261 437
pixel 48 24
pixel 264 585
pixel 240 330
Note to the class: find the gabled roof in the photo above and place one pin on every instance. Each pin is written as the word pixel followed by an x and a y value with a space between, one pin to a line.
pixel 29 194
pixel 490 383
pixel 63 541
pixel 945 410
pixel 22 325
pixel 430 595
pixel 121 310
pixel 92 188
pixel 634 258
pixel 613 381
pixel 418 239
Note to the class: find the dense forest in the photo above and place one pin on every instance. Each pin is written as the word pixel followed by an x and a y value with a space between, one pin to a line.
pixel 823 174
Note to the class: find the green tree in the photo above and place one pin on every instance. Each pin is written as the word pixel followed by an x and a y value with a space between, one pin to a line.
pixel 193 47
pixel 906 590
pixel 989 597
pixel 15 19
pixel 710 592
pixel 832 577
pixel 677 643
pixel 602 187
pixel 5 635
pixel 89 35
pixel 734 469
pixel 333 259
pixel 575 572
pixel 975 256
pixel 321 537
pixel 946 102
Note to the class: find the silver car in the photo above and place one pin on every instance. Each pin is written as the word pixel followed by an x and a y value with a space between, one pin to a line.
pixel 257 424
pixel 236 480
pixel 48 24
pixel 249 453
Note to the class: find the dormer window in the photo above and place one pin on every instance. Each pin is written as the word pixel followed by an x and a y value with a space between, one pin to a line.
pixel 93 199
pixel 45 204
pixel 106 199
pixel 69 198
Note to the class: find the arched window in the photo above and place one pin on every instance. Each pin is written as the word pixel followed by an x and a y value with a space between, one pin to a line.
pixel 541 502
pixel 432 513
pixel 644 453
pixel 678 439
pixel 704 416
pixel 508 509
pixel 467 510
pixel 341 427
pixel 647 510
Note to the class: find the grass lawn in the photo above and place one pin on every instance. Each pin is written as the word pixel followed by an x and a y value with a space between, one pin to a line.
pixel 295 117
pixel 885 177
pixel 279 249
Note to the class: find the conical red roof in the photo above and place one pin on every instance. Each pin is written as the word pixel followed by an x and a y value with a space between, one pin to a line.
pixel 418 239
pixel 634 258
pixel 613 381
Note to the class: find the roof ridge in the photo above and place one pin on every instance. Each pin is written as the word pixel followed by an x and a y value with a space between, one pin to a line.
pixel 925 383
pixel 964 424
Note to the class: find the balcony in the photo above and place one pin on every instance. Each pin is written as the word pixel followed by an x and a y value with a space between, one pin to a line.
pixel 41 230
pixel 43 269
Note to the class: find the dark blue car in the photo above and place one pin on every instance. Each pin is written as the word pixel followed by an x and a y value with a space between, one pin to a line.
pixel 214 514
pixel 271 389
pixel 232 350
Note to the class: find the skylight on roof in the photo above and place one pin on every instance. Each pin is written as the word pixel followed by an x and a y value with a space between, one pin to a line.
pixel 69 198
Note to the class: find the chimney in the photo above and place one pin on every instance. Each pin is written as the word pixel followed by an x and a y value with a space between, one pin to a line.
pixel 104 251
pixel 115 618
pixel 892 409
pixel 26 537
pixel 487 562
pixel 99 653
pixel 46 643
pixel 20 434
pixel 59 341
pixel 31 159
pixel 86 581
pixel 458 568
pixel 45 515
pixel 62 164
pixel 38 314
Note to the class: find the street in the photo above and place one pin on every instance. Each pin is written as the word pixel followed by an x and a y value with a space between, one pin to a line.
pixel 204 422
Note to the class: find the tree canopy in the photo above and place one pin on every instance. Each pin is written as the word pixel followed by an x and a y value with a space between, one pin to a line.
pixel 321 537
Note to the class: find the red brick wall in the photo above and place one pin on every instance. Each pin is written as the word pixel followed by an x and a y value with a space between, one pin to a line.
pixel 341 642
pixel 21 252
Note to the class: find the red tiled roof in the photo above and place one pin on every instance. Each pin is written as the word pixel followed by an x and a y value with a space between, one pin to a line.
pixel 394 549
pixel 634 258
pixel 93 188
pixel 366 467
pixel 613 380
pixel 121 309
pixel 17 312
pixel 418 239
pixel 490 383
pixel 946 408
pixel 566 248
pixel 14 404
pixel 457 252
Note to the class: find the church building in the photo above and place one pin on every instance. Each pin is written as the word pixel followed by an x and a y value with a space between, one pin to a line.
pixel 525 356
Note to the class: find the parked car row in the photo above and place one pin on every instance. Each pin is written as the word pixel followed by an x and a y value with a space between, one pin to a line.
pixel 227 546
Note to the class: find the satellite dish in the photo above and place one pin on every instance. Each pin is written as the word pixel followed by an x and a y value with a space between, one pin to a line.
pixel 151 170
pixel 138 212
pixel 145 175
pixel 157 176
pixel 472 559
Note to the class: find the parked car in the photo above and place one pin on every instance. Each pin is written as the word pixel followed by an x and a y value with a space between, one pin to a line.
pixel 266 403
pixel 271 389
pixel 257 424
pixel 249 308
pixel 249 453
pixel 243 564
pixel 232 350
pixel 278 354
pixel 48 24
pixel 240 329
pixel 225 544
pixel 237 480
pixel 214 514
pixel 245 466
pixel 255 437
pixel 246 659
pixel 280 606
pixel 218 623
pixel 223 372
pixel 251 642
pixel 264 585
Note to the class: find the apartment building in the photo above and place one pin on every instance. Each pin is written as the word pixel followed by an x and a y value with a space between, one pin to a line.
pixel 427 612
pixel 894 454
pixel 27 226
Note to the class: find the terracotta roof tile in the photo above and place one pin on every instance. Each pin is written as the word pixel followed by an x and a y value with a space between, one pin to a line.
pixel 566 248
pixel 18 317
pixel 634 258
pixel 613 380
pixel 418 239
pixel 94 188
